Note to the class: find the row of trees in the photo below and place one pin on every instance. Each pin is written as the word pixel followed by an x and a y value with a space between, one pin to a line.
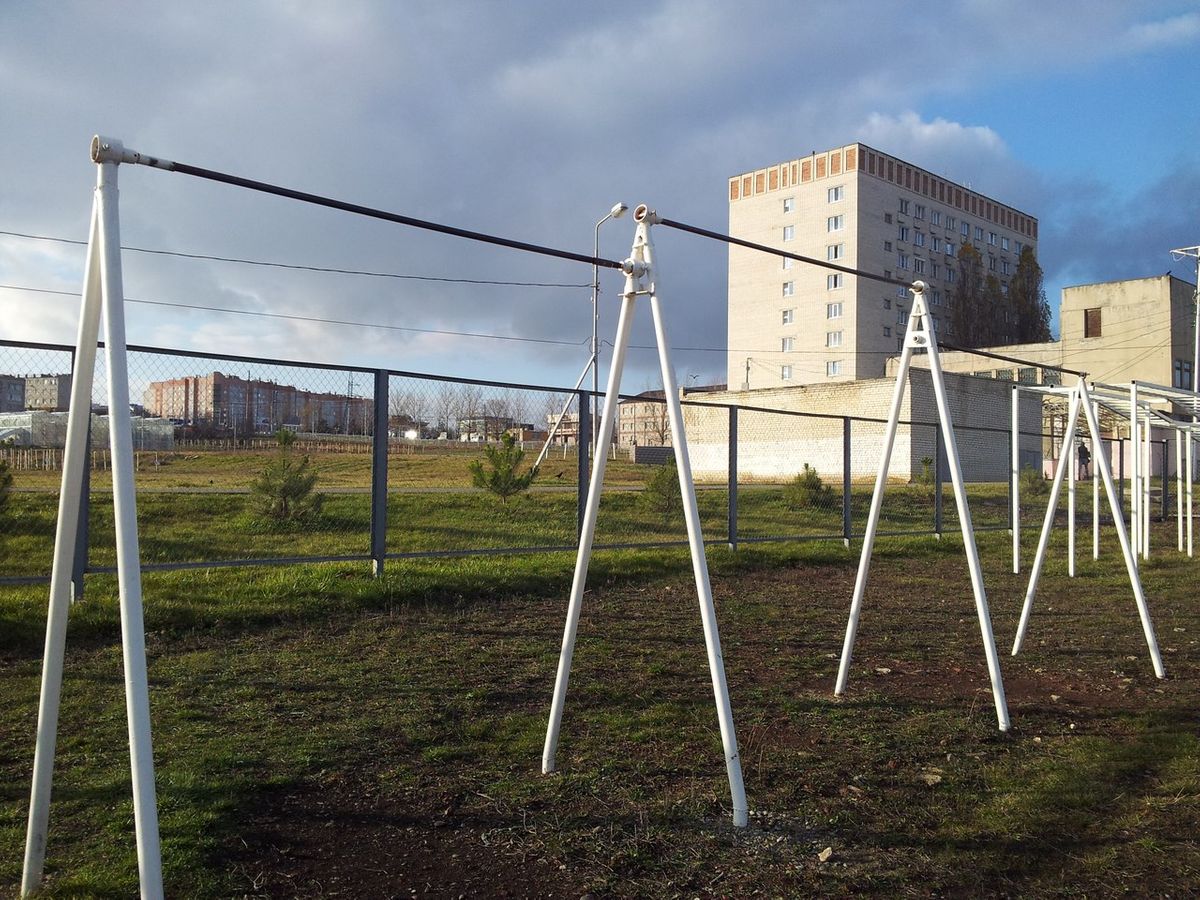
pixel 435 408
pixel 981 314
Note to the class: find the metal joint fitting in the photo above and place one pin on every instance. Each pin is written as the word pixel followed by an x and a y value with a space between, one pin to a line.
pixel 646 215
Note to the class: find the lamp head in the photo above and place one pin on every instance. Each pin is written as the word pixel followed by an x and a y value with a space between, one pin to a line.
pixel 618 210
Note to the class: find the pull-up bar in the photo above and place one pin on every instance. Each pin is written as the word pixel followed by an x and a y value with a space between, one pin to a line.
pixel 111 150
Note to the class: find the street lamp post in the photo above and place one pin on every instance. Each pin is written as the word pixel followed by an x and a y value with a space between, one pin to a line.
pixel 616 212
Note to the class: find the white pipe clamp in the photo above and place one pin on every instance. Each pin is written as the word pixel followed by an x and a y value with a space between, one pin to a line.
pixel 110 150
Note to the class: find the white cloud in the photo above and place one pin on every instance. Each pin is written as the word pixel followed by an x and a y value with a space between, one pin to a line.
pixel 1182 29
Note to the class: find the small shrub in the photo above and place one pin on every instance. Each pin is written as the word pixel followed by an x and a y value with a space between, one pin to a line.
pixel 1031 482
pixel 6 480
pixel 926 476
pixel 283 491
pixel 500 476
pixel 807 490
pixel 662 490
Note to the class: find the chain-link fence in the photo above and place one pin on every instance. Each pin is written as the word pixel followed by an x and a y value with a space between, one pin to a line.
pixel 256 461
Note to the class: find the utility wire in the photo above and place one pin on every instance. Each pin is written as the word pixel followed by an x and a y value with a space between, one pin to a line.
pixel 302 268
pixel 268 315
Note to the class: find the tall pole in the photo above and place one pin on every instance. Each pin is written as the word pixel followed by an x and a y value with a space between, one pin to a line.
pixel 616 212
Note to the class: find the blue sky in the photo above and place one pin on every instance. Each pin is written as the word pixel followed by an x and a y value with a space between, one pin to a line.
pixel 532 120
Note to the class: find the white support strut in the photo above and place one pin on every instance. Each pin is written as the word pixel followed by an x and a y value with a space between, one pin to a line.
pixel 641 279
pixel 1081 401
pixel 1015 479
pixel 920 335
pixel 103 297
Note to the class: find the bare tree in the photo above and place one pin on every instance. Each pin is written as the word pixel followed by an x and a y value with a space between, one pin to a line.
pixel 445 402
pixel 470 407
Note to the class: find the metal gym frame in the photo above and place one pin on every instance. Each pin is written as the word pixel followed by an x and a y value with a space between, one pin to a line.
pixel 103 297
pixel 920 335
pixel 640 281
pixel 1081 401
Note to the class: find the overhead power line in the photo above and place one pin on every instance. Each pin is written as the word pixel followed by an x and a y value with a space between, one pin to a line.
pixel 292 317
pixel 303 268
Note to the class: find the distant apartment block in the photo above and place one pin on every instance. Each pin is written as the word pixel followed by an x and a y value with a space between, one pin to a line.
pixel 251 406
pixel 12 393
pixel 51 393
pixel 794 323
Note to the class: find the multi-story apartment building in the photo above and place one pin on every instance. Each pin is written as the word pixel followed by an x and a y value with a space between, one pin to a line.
pixel 795 323
pixel 51 393
pixel 12 393
pixel 252 406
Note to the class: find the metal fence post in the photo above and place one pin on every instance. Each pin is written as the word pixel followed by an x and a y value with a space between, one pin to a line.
pixel 582 441
pixel 846 481
pixel 937 482
pixel 733 478
pixel 1120 442
pixel 1008 486
pixel 379 474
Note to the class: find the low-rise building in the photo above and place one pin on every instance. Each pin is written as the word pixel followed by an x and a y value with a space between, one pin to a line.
pixel 51 393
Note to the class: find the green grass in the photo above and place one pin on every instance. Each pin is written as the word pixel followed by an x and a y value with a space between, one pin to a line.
pixel 310 719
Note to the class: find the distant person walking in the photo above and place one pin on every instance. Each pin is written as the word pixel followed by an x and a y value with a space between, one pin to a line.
pixel 1085 462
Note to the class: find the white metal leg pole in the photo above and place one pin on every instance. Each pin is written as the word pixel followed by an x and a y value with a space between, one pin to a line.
pixel 864 559
pixel 968 533
pixel 562 415
pixel 1189 461
pixel 129 574
pixel 586 538
pixel 1073 476
pixel 1130 559
pixel 69 505
pixel 708 613
pixel 1147 479
pixel 1135 462
pixel 1015 475
pixel 1178 489
pixel 1097 448
pixel 1047 524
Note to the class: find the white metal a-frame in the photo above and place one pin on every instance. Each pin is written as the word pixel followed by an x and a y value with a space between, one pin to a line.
pixel 920 336
pixel 641 280
pixel 103 296
pixel 1081 400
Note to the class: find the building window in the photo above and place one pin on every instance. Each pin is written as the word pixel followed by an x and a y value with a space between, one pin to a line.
pixel 785 372
pixel 949 248
pixel 887 302
pixel 787 263
pixel 833 367
pixel 902 233
pixel 836 193
pixel 918 265
pixel 1091 323
pixel 902 261
pixel 935 271
pixel 833 339
pixel 833 281
pixel 935 297
pixel 991 263
pixel 835 223
pixel 903 207
pixel 789 288
pixel 887 330
pixel 966 229
pixel 1019 247
pixel 951 275
pixel 951 223
pixel 789 232
pixel 901 316
pixel 833 310
pixel 1027 375
pixel 935 217
pixel 1183 374
pixel 887 246
pixel 992 238
pixel 1004 267
pixel 789 316
pixel 919 238
pixel 887 218
pixel 1003 243
pixel 919 211
pixel 787 345
pixel 978 233
pixel 789 204
pixel 835 251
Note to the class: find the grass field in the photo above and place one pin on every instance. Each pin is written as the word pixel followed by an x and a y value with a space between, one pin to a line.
pixel 319 733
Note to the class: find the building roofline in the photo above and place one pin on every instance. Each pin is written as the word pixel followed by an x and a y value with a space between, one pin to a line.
pixel 1168 275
